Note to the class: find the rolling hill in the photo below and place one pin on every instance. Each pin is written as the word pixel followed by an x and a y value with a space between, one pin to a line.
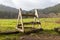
pixel 9 12
pixel 53 11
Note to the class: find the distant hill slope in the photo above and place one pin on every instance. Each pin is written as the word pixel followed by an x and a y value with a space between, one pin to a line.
pixel 53 11
pixel 9 12
pixel 7 9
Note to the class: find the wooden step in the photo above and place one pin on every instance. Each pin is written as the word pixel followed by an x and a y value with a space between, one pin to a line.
pixel 19 29
pixel 29 23
pixel 31 15
pixel 28 30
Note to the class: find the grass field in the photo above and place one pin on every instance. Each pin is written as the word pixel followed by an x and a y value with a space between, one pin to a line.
pixel 46 23
pixel 10 24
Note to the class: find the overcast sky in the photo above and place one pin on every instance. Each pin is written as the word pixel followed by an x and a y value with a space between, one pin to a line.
pixel 29 4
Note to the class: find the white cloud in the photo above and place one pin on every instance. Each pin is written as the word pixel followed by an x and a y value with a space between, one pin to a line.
pixel 29 4
pixel 55 1
pixel 7 2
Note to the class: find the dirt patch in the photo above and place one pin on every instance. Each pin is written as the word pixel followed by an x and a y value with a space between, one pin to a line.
pixel 40 37
pixel 58 21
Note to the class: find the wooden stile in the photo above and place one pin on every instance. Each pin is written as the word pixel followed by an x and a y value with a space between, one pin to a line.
pixel 20 23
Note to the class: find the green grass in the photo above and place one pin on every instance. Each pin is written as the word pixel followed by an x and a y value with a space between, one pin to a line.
pixel 10 24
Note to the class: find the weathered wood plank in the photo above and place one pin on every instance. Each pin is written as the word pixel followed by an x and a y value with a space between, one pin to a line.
pixel 9 32
pixel 29 23
pixel 31 15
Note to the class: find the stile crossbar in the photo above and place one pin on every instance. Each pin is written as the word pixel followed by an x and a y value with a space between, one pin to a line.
pixel 20 24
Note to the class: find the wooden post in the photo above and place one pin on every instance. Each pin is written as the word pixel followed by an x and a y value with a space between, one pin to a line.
pixel 20 12
pixel 36 13
pixel 20 20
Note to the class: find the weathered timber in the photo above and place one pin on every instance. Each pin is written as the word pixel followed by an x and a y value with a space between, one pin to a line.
pixel 57 29
pixel 34 31
pixel 31 15
pixel 31 30
pixel 9 32
pixel 20 26
pixel 29 23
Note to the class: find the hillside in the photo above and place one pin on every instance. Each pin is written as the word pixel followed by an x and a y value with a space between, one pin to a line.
pixel 7 9
pixel 9 12
pixel 53 11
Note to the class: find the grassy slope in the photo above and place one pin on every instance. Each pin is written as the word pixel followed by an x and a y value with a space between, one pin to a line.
pixel 10 24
